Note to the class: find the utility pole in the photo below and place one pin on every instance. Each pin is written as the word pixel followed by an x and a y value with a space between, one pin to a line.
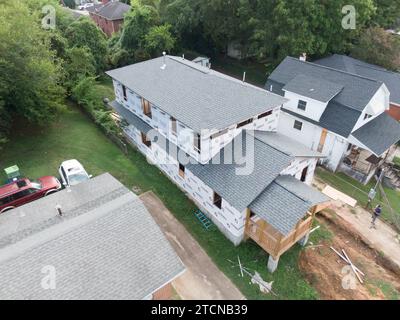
pixel 372 192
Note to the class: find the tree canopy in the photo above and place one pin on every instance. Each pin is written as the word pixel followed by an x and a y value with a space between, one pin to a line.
pixel 30 73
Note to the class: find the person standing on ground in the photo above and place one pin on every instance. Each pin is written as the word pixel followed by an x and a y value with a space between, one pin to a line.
pixel 375 215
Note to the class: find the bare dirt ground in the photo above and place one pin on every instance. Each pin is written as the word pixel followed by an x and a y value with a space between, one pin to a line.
pixel 323 268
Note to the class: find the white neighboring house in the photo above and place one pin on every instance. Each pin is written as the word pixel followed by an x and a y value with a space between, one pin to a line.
pixel 187 119
pixel 337 113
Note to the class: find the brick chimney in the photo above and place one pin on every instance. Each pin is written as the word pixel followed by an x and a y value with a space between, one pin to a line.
pixel 105 1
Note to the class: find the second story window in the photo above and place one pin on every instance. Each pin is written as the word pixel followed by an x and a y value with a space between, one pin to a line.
pixel 197 142
pixel 298 125
pixel 146 107
pixel 218 134
pixel 124 93
pixel 173 126
pixel 302 105
pixel 244 123
pixel 265 114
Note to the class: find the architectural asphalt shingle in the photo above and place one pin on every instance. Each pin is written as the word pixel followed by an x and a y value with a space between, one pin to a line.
pixel 285 144
pixel 199 97
pixel 356 93
pixel 379 134
pixel 389 78
pixel 111 249
pixel 241 191
pixel 113 10
pixel 314 88
pixel 344 110
pixel 286 194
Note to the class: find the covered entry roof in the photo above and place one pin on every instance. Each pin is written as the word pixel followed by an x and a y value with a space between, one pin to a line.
pixel 285 202
pixel 379 134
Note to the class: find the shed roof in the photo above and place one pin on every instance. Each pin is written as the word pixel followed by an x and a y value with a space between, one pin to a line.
pixel 379 134
pixel 285 202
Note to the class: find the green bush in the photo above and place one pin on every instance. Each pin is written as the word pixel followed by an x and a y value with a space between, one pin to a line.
pixel 85 94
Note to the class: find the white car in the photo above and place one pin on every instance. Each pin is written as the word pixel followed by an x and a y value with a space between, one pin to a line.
pixel 85 6
pixel 72 173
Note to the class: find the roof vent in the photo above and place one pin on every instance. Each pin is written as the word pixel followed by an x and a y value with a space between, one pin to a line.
pixel 59 210
pixel 244 76
pixel 164 60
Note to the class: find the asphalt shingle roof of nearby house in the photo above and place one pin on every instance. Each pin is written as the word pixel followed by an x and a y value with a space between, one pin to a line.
pixel 314 88
pixel 389 78
pixel 284 203
pixel 285 144
pixel 100 248
pixel 379 134
pixel 113 10
pixel 197 96
pixel 356 93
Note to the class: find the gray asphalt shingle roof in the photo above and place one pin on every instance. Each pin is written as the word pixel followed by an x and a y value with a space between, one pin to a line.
pixel 113 10
pixel 356 93
pixel 264 161
pixel 314 88
pixel 379 134
pixel 113 249
pixel 197 96
pixel 285 144
pixel 285 202
pixel 389 78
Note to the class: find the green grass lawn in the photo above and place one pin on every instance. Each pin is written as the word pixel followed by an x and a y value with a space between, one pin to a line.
pixel 360 192
pixel 39 152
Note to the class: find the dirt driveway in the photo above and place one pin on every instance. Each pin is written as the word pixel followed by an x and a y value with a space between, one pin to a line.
pixel 202 279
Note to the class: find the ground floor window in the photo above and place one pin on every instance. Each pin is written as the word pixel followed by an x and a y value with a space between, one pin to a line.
pixel 217 200
pixel 298 125
pixel 145 140
pixel 182 170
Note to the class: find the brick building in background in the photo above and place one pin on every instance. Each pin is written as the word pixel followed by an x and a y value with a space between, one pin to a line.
pixel 109 15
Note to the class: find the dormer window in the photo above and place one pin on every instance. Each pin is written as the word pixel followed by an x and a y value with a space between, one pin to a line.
pixel 367 116
pixel 302 105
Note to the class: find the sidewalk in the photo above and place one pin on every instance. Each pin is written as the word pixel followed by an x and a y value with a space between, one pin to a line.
pixel 383 239
pixel 202 279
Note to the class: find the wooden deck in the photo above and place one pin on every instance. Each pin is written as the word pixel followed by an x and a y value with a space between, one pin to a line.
pixel 271 240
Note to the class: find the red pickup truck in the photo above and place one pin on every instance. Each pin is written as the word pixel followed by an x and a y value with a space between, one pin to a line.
pixel 22 191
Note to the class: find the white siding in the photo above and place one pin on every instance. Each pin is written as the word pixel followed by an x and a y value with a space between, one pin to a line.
pixel 314 108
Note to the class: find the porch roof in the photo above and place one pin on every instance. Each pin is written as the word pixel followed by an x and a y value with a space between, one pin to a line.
pixel 379 134
pixel 285 202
